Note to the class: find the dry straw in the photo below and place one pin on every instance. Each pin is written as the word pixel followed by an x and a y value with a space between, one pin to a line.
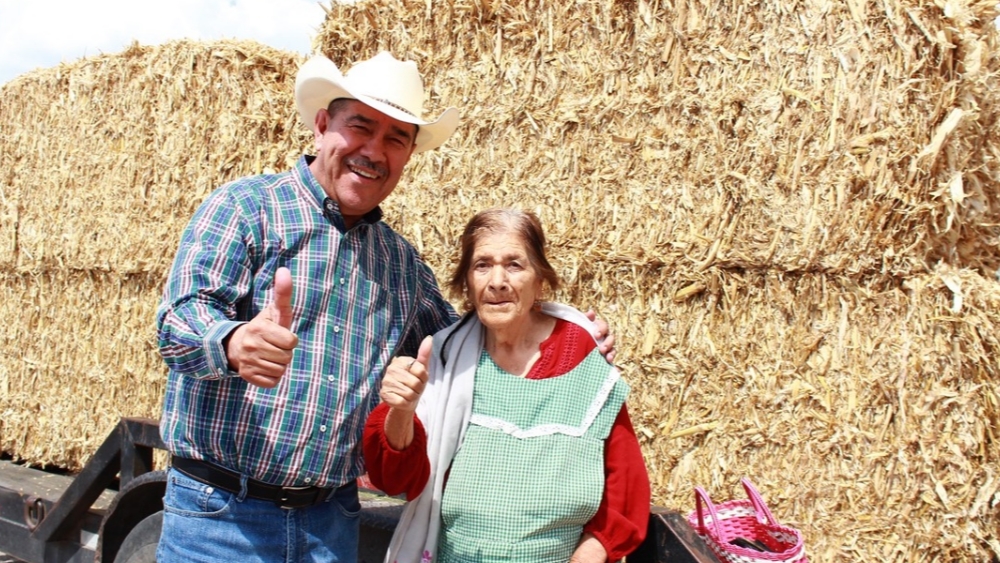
pixel 786 210
pixel 103 162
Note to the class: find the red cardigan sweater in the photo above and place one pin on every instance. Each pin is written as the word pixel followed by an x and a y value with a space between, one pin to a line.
pixel 620 522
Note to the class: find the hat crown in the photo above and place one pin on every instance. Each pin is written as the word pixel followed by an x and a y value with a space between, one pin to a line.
pixel 388 80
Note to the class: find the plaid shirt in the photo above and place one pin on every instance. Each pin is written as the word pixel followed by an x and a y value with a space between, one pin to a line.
pixel 360 296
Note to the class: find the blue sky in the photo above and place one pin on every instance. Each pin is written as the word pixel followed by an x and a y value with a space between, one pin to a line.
pixel 43 33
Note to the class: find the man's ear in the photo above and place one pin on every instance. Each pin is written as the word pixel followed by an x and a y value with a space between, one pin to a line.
pixel 320 123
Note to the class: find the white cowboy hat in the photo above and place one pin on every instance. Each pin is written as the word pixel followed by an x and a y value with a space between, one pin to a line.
pixel 393 87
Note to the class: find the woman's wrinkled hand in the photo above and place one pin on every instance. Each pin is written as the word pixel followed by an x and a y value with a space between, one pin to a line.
pixel 405 379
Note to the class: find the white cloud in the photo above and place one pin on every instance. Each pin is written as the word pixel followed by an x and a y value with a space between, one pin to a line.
pixel 43 33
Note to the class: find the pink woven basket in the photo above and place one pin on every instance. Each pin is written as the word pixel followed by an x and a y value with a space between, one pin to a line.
pixel 750 523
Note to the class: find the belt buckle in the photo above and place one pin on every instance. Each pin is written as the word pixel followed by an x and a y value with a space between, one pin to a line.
pixel 283 502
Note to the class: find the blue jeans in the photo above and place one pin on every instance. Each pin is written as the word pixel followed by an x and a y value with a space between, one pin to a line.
pixel 204 524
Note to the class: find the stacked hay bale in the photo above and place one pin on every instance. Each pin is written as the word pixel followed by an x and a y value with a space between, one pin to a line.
pixel 102 163
pixel 787 212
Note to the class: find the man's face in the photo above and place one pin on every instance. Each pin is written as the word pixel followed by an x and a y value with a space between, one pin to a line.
pixel 360 155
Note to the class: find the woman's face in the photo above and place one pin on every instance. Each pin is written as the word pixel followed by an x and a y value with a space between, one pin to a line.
pixel 502 283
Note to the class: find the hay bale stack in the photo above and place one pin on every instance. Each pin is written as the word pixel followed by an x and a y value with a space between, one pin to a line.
pixel 103 162
pixel 787 212
pixel 109 156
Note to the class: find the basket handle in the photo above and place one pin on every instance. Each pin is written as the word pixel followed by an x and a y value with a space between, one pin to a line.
pixel 700 496
pixel 758 502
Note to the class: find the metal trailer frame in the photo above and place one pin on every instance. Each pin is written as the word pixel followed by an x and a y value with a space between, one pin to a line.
pixel 89 519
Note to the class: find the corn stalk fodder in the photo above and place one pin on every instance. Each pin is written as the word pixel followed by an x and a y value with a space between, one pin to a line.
pixel 786 211
pixel 76 354
pixel 106 158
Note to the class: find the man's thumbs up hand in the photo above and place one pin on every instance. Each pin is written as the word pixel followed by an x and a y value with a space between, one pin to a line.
pixel 261 349
pixel 282 304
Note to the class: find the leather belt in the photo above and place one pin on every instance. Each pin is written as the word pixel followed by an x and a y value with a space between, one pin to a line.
pixel 227 480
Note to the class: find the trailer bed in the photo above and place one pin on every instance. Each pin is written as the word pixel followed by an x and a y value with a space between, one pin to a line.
pixel 47 517
pixel 26 495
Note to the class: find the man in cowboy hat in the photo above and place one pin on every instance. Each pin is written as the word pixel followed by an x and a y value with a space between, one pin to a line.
pixel 264 442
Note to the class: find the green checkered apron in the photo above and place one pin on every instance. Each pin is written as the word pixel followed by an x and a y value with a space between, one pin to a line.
pixel 530 471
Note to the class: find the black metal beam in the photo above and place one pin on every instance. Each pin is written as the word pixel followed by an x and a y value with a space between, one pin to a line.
pixel 14 533
pixel 139 437
pixel 18 543
pixel 100 471
pixel 144 432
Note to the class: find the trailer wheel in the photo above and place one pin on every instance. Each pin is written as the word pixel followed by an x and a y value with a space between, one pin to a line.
pixel 140 543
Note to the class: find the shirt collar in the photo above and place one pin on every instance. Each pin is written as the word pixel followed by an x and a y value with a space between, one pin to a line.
pixel 323 201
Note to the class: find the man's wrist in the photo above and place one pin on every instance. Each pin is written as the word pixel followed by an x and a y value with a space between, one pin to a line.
pixel 217 342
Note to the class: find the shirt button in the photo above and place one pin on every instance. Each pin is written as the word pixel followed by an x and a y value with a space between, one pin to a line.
pixel 329 378
pixel 309 480
pixel 336 329
pixel 322 428
pixel 342 280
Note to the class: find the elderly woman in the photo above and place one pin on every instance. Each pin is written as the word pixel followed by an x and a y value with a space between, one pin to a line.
pixel 509 434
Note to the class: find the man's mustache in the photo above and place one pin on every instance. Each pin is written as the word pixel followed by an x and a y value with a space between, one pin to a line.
pixel 364 162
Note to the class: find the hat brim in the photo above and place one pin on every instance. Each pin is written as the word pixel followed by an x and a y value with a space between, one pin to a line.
pixel 319 82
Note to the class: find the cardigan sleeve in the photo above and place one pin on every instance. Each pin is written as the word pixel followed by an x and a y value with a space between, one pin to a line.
pixel 395 471
pixel 623 515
